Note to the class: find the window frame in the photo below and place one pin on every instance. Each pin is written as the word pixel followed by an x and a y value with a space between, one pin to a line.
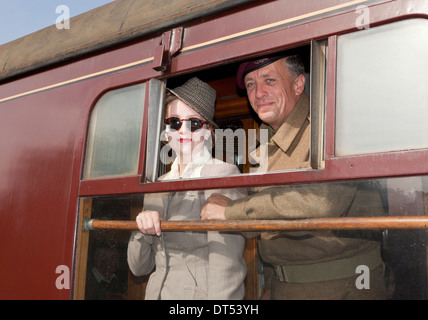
pixel 91 139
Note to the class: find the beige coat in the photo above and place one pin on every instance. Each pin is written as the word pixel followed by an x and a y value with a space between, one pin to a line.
pixel 289 149
pixel 190 265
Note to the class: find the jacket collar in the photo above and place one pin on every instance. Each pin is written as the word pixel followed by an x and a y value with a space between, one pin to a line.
pixel 193 168
pixel 287 132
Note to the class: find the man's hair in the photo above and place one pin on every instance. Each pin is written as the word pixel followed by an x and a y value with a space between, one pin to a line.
pixel 295 65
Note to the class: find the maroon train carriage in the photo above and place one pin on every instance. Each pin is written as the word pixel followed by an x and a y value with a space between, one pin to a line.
pixel 81 114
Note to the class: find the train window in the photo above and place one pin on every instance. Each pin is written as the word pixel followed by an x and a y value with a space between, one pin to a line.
pixel 114 133
pixel 103 271
pixel 382 101
pixel 102 268
pixel 236 140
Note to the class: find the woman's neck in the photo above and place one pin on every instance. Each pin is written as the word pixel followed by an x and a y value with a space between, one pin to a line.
pixel 185 159
pixel 181 167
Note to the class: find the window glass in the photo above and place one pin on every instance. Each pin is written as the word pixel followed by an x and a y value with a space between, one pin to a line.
pixel 403 251
pixel 115 133
pixel 382 96
pixel 107 269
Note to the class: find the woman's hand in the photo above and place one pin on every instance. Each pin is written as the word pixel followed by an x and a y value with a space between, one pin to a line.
pixel 149 222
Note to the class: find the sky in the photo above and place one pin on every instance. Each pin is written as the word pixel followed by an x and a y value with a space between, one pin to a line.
pixel 21 17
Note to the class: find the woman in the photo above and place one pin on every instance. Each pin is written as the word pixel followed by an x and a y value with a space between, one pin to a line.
pixel 189 265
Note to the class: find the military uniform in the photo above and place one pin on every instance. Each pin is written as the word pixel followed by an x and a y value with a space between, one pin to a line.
pixel 312 264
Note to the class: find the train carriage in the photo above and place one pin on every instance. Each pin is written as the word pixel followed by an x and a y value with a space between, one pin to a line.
pixel 81 113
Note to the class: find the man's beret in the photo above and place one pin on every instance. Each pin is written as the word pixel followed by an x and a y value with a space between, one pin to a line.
pixel 248 66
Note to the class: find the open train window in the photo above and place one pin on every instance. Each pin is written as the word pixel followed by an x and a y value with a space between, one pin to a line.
pixel 125 128
pixel 235 138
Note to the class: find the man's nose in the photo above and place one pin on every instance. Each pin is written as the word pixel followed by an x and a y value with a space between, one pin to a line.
pixel 260 91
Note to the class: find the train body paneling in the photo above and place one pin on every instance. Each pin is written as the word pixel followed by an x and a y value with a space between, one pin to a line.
pixel 37 216
pixel 44 115
pixel 46 133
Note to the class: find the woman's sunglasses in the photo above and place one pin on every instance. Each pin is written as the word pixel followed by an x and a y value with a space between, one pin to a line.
pixel 176 123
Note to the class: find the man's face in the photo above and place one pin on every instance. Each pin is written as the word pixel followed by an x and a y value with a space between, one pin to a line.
pixel 273 93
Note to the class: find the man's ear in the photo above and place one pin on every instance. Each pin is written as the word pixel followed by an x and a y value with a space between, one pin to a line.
pixel 299 84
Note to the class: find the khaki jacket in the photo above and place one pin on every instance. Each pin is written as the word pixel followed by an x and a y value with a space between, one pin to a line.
pixel 190 265
pixel 289 149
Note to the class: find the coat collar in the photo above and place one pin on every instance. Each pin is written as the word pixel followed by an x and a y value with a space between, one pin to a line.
pixel 288 131
pixel 193 169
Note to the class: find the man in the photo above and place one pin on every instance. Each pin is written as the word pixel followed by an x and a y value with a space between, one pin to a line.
pixel 302 265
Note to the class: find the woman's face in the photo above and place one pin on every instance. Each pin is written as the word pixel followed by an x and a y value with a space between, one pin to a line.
pixel 183 141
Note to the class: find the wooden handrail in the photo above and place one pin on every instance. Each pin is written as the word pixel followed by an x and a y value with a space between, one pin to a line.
pixel 348 223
